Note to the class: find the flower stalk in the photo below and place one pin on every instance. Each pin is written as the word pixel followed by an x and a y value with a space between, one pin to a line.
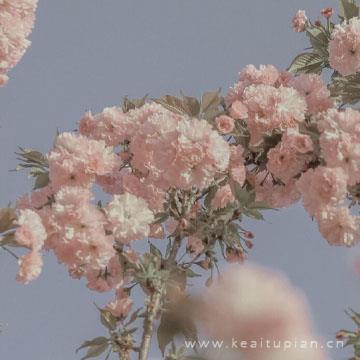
pixel 152 310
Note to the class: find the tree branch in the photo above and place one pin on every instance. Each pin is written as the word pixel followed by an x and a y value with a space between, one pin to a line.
pixel 152 309
pixel 9 251
pixel 154 305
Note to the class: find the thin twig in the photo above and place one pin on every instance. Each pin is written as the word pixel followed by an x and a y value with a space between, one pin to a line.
pixel 9 251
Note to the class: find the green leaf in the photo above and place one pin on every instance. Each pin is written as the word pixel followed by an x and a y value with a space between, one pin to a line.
pixel 107 319
pixel 168 249
pixel 9 240
pixel 190 105
pixel 161 217
pixel 349 9
pixel 232 234
pixel 244 196
pixel 32 156
pixel 307 63
pixel 210 196
pixel 210 100
pixel 319 41
pixel 254 213
pixel 171 103
pixel 94 342
pixel 41 181
pixel 7 219
pixel 95 351
pixel 259 205
pixel 184 105
pixel 155 251
pixel 128 105
pixel 191 274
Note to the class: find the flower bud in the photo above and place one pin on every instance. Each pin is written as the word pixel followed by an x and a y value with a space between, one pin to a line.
pixel 327 12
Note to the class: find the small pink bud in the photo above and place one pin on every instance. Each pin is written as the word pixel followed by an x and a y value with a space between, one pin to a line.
pixel 327 12
pixel 204 264
pixel 183 224
pixel 249 235
pixel 225 124
pixel 249 244
pixel 3 79
pixel 341 335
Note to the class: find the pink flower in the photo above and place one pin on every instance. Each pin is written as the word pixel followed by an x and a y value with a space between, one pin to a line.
pixel 344 47
pixel 301 144
pixel 121 306
pixel 321 187
pixel 156 231
pixel 202 153
pixel 290 156
pixel 338 226
pixel 112 277
pixel 274 195
pixel 16 22
pixel 315 92
pixel 67 172
pixel 335 122
pixel 238 110
pixel 112 125
pixel 178 151
pixel 35 200
pixel 112 183
pixel 30 267
pixel 237 164
pixel 144 188
pixel 223 197
pixel 250 75
pixel 299 21
pixel 225 124
pixel 253 304
pixel 339 140
pixel 171 225
pixel 195 245
pixel 266 75
pixel 342 149
pixel 96 157
pixel 76 160
pixel 272 108
pixel 76 231
pixel 31 232
pixel 129 217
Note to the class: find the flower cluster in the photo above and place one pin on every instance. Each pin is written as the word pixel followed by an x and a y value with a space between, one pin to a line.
pixel 137 158
pixel 344 47
pixel 302 144
pixel 16 22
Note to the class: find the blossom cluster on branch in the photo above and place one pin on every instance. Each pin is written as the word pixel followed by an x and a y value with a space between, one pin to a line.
pixel 16 23
pixel 188 171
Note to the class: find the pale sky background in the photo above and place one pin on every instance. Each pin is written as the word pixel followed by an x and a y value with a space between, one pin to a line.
pixel 88 54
